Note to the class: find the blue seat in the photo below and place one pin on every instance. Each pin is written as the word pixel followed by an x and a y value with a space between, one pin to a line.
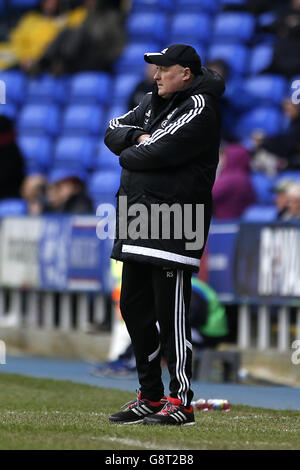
pixel 225 3
pixel 123 86
pixel 235 55
pixel 46 89
pixel 103 186
pixel 147 26
pixel 8 110
pixel 84 120
pixel 260 58
pixel 37 151
pixel 266 89
pixel 234 26
pixel 267 119
pixel 13 85
pixel 24 3
pixel 210 6
pixel 115 112
pixel 190 27
pixel 106 160
pixel 257 213
pixel 39 119
pixel 262 185
pixel 152 5
pixel 75 150
pixel 12 207
pixel 90 87
pixel 132 58
pixel 293 175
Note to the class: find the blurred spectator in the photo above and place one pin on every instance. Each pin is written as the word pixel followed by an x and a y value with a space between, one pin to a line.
pixel 94 45
pixel 207 316
pixel 293 202
pixel 143 87
pixel 283 150
pixel 33 191
pixel 233 191
pixel 66 193
pixel 281 197
pixel 36 30
pixel 12 163
pixel 286 57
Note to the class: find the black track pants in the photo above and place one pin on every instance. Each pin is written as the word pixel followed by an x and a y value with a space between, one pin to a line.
pixel 150 294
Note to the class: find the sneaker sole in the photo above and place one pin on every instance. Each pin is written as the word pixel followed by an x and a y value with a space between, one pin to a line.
pixel 127 422
pixel 156 423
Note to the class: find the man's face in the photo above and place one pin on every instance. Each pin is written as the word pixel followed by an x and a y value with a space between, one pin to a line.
pixel 293 205
pixel 171 79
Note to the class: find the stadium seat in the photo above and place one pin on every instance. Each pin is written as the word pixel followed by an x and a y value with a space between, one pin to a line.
pixel 12 207
pixel 210 6
pixel 152 5
pixel 262 185
pixel 90 87
pixel 132 59
pixel 190 28
pixel 123 86
pixel 260 58
pixel 14 86
pixel 46 89
pixel 293 175
pixel 84 120
pixel 75 150
pixel 225 3
pixel 234 26
pixel 267 18
pixel 106 160
pixel 37 151
pixel 114 112
pixel 24 3
pixel 39 119
pixel 266 89
pixel 8 110
pixel 234 54
pixel 267 119
pixel 258 213
pixel 147 26
pixel 103 186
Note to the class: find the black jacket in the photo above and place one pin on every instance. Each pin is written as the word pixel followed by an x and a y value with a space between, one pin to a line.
pixel 176 165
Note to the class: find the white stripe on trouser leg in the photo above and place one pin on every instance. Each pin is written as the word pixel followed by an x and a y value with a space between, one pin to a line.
pixel 185 384
pixel 154 354
pixel 180 339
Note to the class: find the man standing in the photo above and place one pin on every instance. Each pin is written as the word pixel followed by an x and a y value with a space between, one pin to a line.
pixel 168 147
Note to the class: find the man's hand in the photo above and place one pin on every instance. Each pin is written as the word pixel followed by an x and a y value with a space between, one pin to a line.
pixel 143 137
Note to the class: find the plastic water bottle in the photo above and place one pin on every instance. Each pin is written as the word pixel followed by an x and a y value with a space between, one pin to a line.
pixel 200 404
pixel 218 404
pixel 211 404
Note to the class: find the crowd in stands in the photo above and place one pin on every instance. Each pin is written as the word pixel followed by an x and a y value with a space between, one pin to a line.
pixel 71 65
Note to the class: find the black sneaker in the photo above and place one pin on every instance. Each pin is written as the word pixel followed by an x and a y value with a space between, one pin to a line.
pixel 136 410
pixel 173 413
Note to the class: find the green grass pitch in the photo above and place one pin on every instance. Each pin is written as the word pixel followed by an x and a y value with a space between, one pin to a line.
pixel 49 414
